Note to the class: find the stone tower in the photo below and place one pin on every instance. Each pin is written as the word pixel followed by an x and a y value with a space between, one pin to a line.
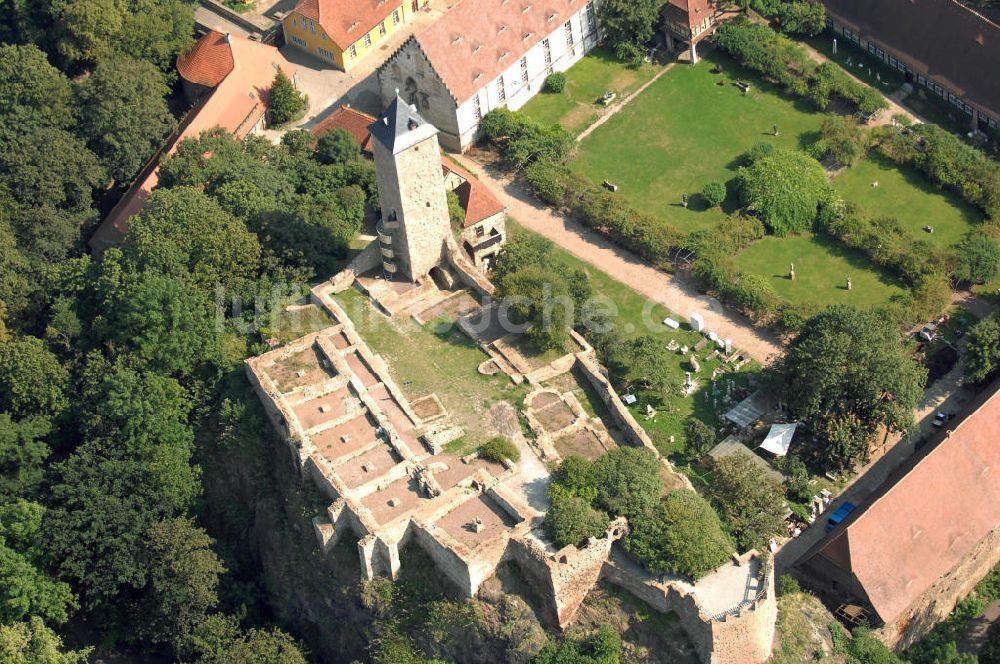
pixel 415 224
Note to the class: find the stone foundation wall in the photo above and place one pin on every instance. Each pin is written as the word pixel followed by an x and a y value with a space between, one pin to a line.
pixel 937 602
pixel 369 259
pixel 743 637
pixel 466 271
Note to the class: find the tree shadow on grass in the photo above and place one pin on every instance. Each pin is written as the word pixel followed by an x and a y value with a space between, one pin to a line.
pixel 856 259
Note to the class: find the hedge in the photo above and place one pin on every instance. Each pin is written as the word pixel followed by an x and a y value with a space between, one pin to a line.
pixel 606 212
pixel 780 60
pixel 947 160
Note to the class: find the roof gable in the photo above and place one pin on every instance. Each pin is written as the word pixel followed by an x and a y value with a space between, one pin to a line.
pixel 477 40
pixel 919 528
pixel 352 121
pixel 346 21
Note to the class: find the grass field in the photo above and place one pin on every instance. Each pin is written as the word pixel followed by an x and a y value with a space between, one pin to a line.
pixel 576 107
pixel 686 130
pixel 910 197
pixel 435 358
pixel 822 265
pixel 636 315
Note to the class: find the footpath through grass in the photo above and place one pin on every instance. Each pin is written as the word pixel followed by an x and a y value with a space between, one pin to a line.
pixel 686 130
pixel 910 197
pixel 577 107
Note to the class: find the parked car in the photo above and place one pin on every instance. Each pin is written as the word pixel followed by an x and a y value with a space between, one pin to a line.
pixel 839 515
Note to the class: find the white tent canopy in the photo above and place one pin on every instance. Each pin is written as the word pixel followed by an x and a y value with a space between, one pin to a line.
pixel 779 438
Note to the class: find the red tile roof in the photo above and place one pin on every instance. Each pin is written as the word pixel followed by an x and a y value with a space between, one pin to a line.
pixel 476 198
pixel 350 120
pixel 346 21
pixel 209 62
pixel 477 40
pixel 694 12
pixel 940 39
pixel 918 529
pixel 237 104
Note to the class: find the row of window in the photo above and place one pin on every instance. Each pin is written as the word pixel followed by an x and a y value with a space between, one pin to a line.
pixel 310 25
pixel 591 21
pixel 937 89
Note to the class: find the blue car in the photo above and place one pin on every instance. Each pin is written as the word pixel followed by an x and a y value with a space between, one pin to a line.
pixel 839 515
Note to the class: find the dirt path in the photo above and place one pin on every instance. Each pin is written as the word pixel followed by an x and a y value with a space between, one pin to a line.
pixel 623 103
pixel 623 265
pixel 894 106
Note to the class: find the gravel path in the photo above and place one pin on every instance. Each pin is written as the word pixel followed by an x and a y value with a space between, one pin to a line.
pixel 623 265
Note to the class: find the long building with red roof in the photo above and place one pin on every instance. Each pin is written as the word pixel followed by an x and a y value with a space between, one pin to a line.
pixel 233 75
pixel 924 540
pixel 486 54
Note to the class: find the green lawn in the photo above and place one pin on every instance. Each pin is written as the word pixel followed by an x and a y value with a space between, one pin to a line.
pixel 434 358
pixel 636 315
pixel 910 197
pixel 576 107
pixel 822 265
pixel 686 130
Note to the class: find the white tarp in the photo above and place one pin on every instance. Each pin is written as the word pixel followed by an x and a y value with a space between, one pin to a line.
pixel 749 410
pixel 779 438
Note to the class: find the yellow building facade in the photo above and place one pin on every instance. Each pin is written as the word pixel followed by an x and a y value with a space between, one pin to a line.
pixel 343 40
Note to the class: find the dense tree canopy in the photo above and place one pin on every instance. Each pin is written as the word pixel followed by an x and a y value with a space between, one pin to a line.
pixel 982 358
pixel 785 189
pixel 683 535
pixel 570 520
pixel 628 481
pixel 629 21
pixel 850 362
pixel 751 504
pixel 32 382
pixel 123 114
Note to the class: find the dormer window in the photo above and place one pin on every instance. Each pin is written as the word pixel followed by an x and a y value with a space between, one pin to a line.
pixel 503 29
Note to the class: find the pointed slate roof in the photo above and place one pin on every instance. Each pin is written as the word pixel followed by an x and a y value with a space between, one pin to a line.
pixel 400 127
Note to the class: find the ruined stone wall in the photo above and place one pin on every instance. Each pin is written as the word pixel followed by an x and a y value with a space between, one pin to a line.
pixel 369 259
pixel 563 579
pixel 467 272
pixel 937 602
pixel 738 637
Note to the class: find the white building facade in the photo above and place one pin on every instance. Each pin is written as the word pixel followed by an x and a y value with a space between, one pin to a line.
pixel 487 54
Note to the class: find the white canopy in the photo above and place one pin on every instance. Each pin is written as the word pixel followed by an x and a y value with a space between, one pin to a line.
pixel 779 438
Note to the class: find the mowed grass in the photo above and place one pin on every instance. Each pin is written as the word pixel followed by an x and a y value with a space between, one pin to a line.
pixel 635 315
pixel 686 130
pixel 910 197
pixel 822 266
pixel 434 358
pixel 576 107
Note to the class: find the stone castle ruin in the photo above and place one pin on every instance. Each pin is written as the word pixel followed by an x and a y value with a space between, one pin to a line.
pixel 383 463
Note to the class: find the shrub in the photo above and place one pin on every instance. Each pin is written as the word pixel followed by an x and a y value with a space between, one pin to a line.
pixel 628 481
pixel 499 448
pixel 759 150
pixel 377 596
pixel 522 141
pixel 683 535
pixel 700 437
pixel 556 82
pixel 284 103
pixel 788 585
pixel 546 181
pixel 574 477
pixel 714 193
pixel 571 521
pixel 805 18
pixel 785 189
pixel 978 259
pixel 841 138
